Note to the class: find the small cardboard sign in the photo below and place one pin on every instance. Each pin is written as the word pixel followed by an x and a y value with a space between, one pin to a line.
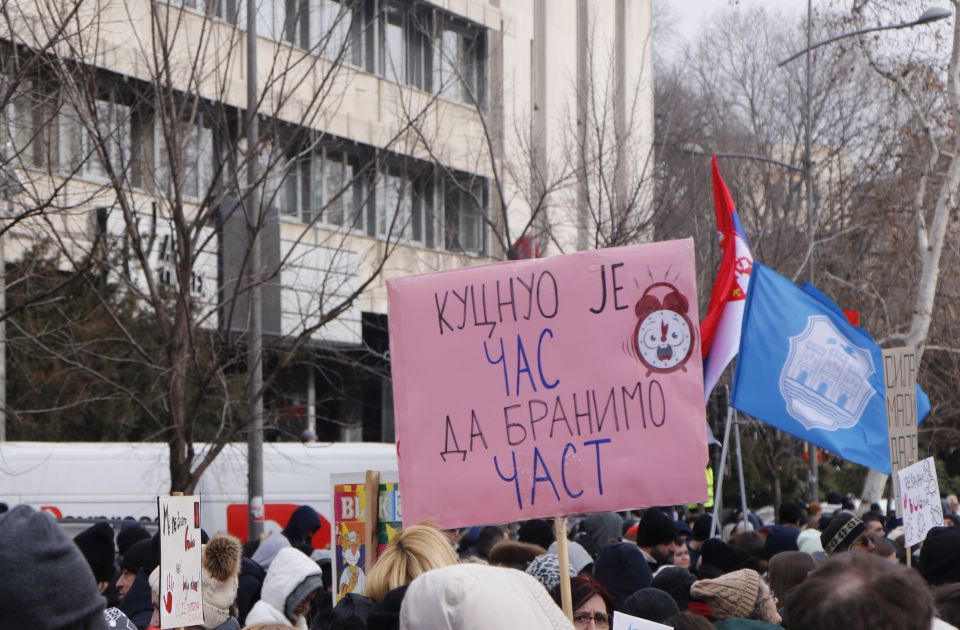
pixel 919 501
pixel 629 622
pixel 181 595
pixel 900 392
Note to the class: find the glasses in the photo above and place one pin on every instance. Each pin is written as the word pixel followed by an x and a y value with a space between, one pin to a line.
pixel 583 619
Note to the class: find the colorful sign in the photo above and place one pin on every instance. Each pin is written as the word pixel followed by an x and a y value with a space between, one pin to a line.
pixel 389 515
pixel 548 387
pixel 181 595
pixel 919 501
pixel 900 394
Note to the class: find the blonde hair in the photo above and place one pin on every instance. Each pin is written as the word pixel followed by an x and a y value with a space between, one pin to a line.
pixel 414 551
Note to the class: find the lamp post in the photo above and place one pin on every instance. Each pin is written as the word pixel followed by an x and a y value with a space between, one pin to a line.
pixel 930 15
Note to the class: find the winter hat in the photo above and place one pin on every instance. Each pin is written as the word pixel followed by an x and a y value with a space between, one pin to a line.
pixel 220 564
pixel 352 612
pixel 780 538
pixel 47 583
pixel 603 528
pixel 96 545
pixel 386 614
pixel 809 541
pixel 791 512
pixel 546 569
pixel 465 596
pixel 842 529
pixel 731 595
pixel 675 582
pixel 651 604
pixel 303 521
pixel 701 527
pixel 116 620
pixel 724 557
pixel 514 554
pixel 296 562
pixel 940 556
pixel 622 570
pixel 536 531
pixel 580 558
pixel 655 528
pixel 130 534
pixel 139 556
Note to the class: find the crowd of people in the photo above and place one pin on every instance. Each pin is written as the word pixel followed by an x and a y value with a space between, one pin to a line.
pixel 840 570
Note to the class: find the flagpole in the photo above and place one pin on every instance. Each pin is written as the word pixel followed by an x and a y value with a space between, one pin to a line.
pixel 743 488
pixel 718 493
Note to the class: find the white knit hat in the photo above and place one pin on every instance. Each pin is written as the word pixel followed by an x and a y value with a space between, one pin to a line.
pixel 478 597
pixel 221 568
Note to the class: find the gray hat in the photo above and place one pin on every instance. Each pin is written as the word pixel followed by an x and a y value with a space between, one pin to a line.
pixel 46 582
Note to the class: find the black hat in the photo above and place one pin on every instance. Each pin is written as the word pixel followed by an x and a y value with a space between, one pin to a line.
pixel 622 570
pixel 96 545
pixel 780 538
pixel 139 557
pixel 536 531
pixel 940 556
pixel 702 527
pixel 651 604
pixel 842 530
pixel 724 557
pixel 655 528
pixel 130 534
pixel 675 582
pixel 386 614
pixel 791 512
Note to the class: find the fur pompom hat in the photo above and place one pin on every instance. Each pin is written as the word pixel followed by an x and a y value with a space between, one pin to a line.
pixel 221 568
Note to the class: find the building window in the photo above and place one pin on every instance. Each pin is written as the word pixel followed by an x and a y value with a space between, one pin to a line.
pixel 393 43
pixel 464 210
pixel 460 72
pixel 337 196
pixel 394 202
pixel 83 135
pixel 190 160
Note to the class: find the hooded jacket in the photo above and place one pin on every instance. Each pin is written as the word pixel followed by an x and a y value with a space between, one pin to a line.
pixel 291 578
pixel 269 549
pixel 136 604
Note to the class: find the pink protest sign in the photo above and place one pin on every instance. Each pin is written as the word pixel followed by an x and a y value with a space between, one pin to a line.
pixel 549 387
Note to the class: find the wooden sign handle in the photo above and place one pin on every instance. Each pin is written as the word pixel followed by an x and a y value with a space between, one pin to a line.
pixel 177 494
pixel 372 491
pixel 563 555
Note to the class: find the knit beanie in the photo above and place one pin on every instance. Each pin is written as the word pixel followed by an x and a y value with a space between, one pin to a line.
pixel 47 584
pixel 940 556
pixel 733 595
pixel 655 528
pixel 220 564
pixel 676 582
pixel 139 557
pixel 809 541
pixel 651 604
pixel 96 545
pixel 479 597
pixel 780 538
pixel 702 526
pixel 546 569
pixel 622 570
pixel 842 530
pixel 580 558
pixel 724 557
pixel 536 531
pixel 129 534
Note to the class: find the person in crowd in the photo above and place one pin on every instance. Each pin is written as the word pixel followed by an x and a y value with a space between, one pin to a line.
pixel 681 556
pixel 490 536
pixel 488 598
pixel 736 596
pixel 754 545
pixel 685 621
pixel 874 522
pixel 676 583
pixel 536 531
pixel 940 556
pixel 593 606
pixel 814 512
pixel 651 604
pixel 846 532
pixel 386 613
pixel 546 570
pixel 656 538
pixel 791 515
pixel 96 545
pixel 250 580
pixel 413 551
pixel 580 558
pixel 130 532
pixel 809 542
pixel 717 558
pixel 954 504
pixel 137 561
pixel 947 601
pixel 292 582
pixel 352 611
pixel 517 555
pixel 786 570
pixel 702 530
pixel 886 549
pixel 857 590
pixel 219 580
pixel 46 584
pixel 623 570
pixel 599 530
pixel 301 526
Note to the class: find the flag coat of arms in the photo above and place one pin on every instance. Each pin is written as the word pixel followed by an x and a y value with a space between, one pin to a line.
pixel 804 369
pixel 720 329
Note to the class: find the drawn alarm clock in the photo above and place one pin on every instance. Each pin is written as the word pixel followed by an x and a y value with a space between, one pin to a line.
pixel 664 337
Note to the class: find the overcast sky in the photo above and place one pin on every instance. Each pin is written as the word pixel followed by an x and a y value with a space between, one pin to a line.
pixel 689 15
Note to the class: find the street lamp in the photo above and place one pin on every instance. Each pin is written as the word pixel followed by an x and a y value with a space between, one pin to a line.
pixel 928 16
pixel 696 149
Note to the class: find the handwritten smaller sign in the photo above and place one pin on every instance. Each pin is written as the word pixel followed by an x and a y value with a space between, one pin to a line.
pixel 181 595
pixel 629 622
pixel 900 393
pixel 919 500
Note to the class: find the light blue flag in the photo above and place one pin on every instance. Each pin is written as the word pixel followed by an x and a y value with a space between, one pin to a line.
pixel 804 369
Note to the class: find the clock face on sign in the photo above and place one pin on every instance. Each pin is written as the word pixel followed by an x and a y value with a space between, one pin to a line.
pixel 664 340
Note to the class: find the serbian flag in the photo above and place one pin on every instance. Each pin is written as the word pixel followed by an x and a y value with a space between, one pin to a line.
pixel 720 329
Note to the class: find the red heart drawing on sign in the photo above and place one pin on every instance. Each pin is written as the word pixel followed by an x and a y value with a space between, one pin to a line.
pixel 168 602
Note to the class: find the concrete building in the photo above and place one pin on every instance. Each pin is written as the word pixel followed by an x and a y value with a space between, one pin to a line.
pixel 396 137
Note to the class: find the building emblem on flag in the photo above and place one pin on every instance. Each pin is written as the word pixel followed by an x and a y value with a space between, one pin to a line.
pixel 824 380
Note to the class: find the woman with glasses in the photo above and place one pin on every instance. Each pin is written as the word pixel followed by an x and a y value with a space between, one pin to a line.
pixel 592 604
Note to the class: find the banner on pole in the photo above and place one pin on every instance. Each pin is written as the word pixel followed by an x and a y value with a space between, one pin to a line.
pixel 549 387
pixel 181 595
pixel 900 394
pixel 920 501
